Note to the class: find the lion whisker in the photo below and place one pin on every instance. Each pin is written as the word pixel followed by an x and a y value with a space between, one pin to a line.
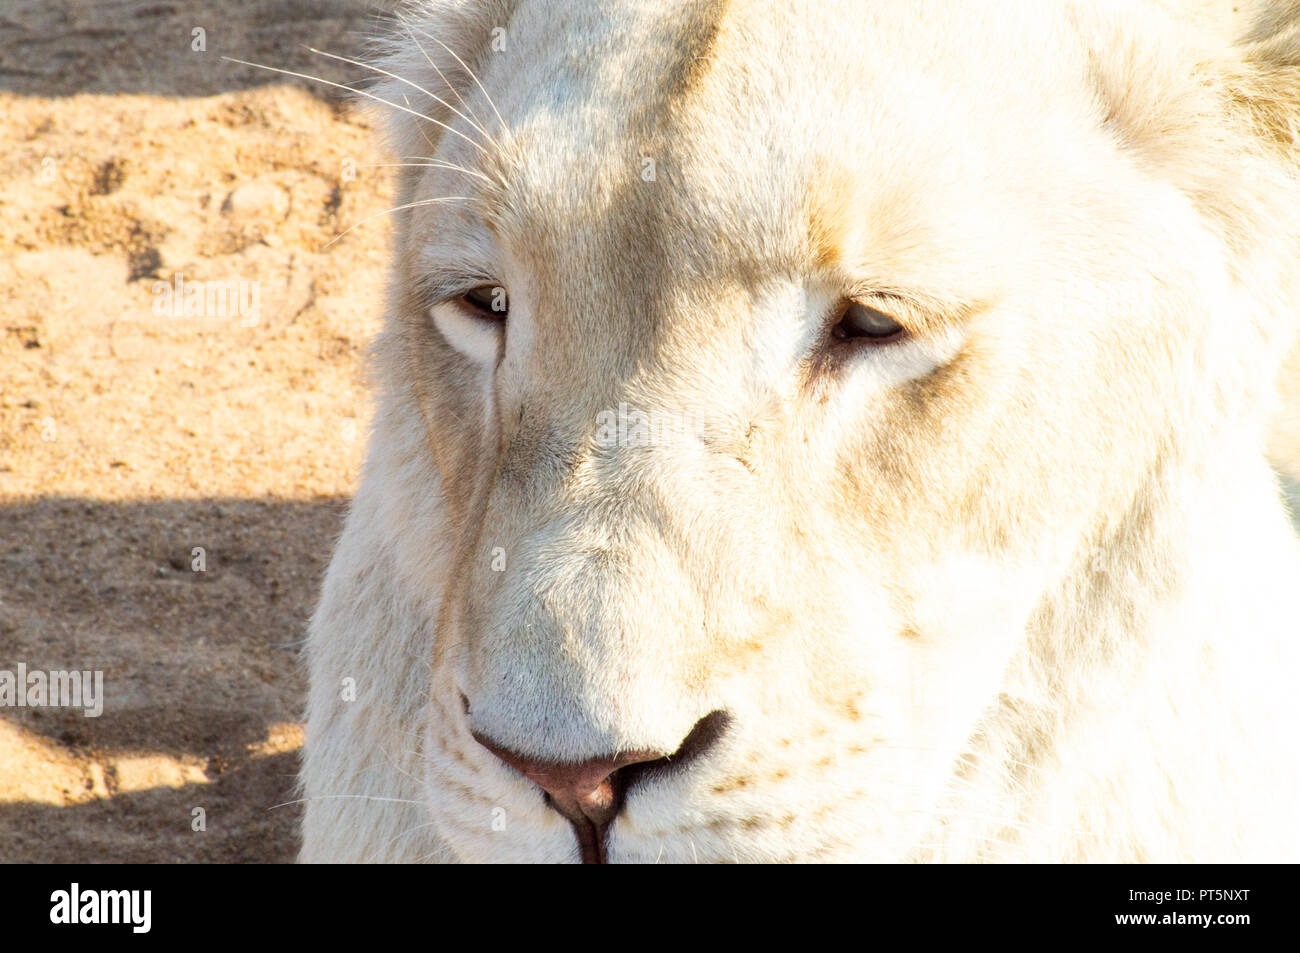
pixel 360 92
pixel 471 73
pixel 436 164
pixel 407 833
pixel 402 79
pixel 326 797
pixel 398 208
pixel 441 75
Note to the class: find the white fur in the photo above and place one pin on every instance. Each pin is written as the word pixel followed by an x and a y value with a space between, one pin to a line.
pixel 473 337
pixel 1020 588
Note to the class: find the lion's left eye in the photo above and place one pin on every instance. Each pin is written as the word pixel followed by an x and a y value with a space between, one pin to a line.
pixel 863 321
pixel 489 301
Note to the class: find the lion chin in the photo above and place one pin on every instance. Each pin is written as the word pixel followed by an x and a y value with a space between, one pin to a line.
pixel 825 432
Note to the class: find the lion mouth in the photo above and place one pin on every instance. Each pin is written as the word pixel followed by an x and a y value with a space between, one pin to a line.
pixel 591 794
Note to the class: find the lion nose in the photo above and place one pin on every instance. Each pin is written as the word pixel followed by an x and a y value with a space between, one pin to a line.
pixel 590 793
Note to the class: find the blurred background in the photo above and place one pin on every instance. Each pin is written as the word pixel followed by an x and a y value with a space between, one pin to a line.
pixel 173 477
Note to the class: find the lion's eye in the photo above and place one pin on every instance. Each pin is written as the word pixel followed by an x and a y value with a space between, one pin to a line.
pixel 862 321
pixel 489 301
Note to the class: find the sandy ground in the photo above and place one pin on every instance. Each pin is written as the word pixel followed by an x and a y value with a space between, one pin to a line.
pixel 132 432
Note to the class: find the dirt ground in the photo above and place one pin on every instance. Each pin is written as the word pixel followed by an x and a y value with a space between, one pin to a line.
pixel 133 432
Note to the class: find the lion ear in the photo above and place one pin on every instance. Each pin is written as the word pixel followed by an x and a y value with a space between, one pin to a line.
pixel 1205 95
pixel 1265 83
pixel 1262 40
pixel 1265 87
pixel 1191 85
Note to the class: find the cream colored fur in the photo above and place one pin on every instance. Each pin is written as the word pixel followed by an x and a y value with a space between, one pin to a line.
pixel 1020 588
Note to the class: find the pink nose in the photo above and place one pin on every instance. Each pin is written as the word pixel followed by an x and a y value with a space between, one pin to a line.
pixel 589 794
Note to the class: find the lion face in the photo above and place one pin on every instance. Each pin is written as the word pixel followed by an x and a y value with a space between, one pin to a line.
pixel 772 391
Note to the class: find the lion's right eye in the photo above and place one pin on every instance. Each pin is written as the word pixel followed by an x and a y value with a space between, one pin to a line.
pixel 488 301
pixel 863 322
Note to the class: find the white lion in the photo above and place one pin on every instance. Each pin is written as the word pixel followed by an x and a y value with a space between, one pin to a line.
pixel 969 549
